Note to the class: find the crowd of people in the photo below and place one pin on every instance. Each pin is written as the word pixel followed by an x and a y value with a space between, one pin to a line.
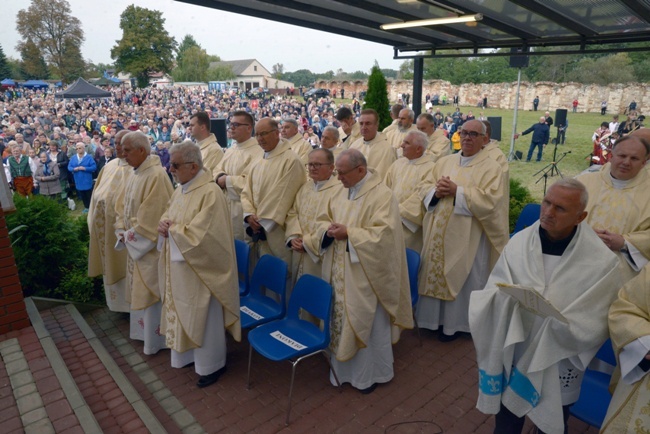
pixel 319 186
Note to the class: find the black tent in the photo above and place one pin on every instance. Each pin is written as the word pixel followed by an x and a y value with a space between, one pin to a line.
pixel 82 89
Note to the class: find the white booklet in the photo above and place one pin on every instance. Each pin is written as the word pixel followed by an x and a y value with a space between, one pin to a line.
pixel 532 301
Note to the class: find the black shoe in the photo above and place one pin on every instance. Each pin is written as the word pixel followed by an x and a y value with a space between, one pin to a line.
pixel 188 365
pixel 447 338
pixel 368 390
pixel 207 380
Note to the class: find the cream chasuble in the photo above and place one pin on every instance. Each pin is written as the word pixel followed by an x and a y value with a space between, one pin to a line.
pixel 439 144
pixel 211 153
pixel 206 269
pixel 378 152
pixel 102 256
pixel 451 237
pixel 347 140
pixel 629 321
pixel 301 223
pixel 624 211
pixel 269 192
pixel 301 147
pixel 391 127
pixel 378 273
pixel 235 164
pixel 404 178
pixel 138 211
pixel 396 137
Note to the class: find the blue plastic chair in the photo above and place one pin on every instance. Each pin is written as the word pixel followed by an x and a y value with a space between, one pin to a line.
pixel 292 338
pixel 413 263
pixel 258 308
pixel 528 216
pixel 594 399
pixel 243 251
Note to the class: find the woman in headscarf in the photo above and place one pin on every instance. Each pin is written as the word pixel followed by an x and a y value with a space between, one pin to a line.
pixel 47 176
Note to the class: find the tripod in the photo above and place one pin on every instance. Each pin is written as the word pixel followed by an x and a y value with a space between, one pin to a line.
pixel 550 168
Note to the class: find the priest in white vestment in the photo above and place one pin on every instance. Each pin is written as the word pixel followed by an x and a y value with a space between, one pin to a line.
pixel 232 170
pixel 198 269
pixel 349 131
pixel 102 257
pixel 211 151
pixel 405 124
pixel 374 145
pixel 464 230
pixel 403 178
pixel 439 144
pixel 629 328
pixel 330 140
pixel 368 272
pixel 531 364
pixel 310 201
pixel 619 203
pixel 270 190
pixel 291 134
pixel 138 212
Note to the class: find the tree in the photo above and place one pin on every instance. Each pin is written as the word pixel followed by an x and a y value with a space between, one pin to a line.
pixel 56 33
pixel 75 67
pixel 32 63
pixel 406 70
pixel 15 69
pixel 377 96
pixel 278 70
pixel 5 69
pixel 221 73
pixel 193 66
pixel 187 43
pixel 301 77
pixel 615 68
pixel 145 46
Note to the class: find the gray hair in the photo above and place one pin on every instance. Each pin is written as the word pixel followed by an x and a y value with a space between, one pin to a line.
pixel 334 130
pixel 355 157
pixel 574 184
pixel 328 154
pixel 138 140
pixel 420 139
pixel 290 121
pixel 190 152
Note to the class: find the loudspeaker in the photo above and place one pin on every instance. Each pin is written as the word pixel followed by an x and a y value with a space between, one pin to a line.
pixel 218 128
pixel 495 123
pixel 518 61
pixel 560 117
pixel 519 155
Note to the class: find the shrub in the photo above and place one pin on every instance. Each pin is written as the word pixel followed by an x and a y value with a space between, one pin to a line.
pixel 51 253
pixel 519 197
pixel 377 97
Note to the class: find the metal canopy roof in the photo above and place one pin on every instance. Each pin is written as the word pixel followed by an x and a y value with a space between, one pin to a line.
pixel 522 24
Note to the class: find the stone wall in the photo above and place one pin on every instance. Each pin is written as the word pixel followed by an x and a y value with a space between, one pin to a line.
pixel 503 95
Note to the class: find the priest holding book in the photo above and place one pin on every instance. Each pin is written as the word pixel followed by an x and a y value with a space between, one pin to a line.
pixel 532 364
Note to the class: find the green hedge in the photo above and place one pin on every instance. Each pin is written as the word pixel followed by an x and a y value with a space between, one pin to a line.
pixel 519 197
pixel 51 250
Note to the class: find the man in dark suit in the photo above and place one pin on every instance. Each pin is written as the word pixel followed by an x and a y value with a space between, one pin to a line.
pixel 541 132
pixel 108 156
pixel 548 119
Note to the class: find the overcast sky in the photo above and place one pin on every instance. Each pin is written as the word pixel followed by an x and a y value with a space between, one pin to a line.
pixel 227 35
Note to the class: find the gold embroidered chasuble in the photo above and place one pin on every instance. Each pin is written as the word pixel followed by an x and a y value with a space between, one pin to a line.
pixel 623 211
pixel 378 152
pixel 379 276
pixel 404 178
pixel 439 145
pixel 211 153
pixel 102 256
pixel 139 208
pixel 208 267
pixel 236 163
pixel 629 320
pixel 451 240
pixel 301 222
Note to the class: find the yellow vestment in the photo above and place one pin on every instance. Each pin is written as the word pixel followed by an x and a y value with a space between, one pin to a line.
pixel 378 152
pixel 211 152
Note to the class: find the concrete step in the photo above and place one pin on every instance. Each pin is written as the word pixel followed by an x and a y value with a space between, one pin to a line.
pixel 98 391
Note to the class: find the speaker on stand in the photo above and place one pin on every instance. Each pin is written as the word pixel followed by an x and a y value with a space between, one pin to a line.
pixel 495 124
pixel 219 129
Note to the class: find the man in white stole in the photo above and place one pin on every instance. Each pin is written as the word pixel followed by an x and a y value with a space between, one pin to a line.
pixel 330 140
pixel 197 269
pixel 211 151
pixel 368 273
pixel 374 145
pixel 291 134
pixel 439 144
pixel 138 212
pixel 270 190
pixel 619 203
pixel 629 328
pixel 311 199
pixel 349 131
pixel 102 257
pixel 403 178
pixel 232 170
pixel 464 230
pixel 531 365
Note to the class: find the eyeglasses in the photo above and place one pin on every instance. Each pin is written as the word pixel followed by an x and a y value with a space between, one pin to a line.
pixel 234 125
pixel 265 133
pixel 315 165
pixel 472 134
pixel 177 165
pixel 345 173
